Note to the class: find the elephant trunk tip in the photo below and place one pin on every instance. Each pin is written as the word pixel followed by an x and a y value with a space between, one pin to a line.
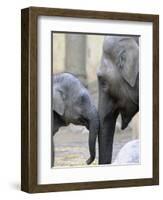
pixel 93 133
pixel 90 160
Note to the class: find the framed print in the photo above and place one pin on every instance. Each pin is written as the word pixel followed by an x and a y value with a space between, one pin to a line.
pixel 90 99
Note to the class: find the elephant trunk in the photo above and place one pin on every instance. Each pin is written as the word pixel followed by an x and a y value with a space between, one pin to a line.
pixel 107 115
pixel 106 137
pixel 93 133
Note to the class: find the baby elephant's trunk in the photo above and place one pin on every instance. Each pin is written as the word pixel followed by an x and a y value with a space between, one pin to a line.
pixel 93 132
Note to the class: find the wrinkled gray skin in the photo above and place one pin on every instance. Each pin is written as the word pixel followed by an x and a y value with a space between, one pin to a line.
pixel 72 104
pixel 118 79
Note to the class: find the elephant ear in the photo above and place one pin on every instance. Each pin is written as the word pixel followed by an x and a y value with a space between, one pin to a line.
pixel 129 63
pixel 58 103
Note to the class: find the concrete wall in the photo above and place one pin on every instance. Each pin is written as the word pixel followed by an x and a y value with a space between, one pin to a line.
pixel 58 52
pixel 93 54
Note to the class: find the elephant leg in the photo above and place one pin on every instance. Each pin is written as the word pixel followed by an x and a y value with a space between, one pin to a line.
pixel 52 151
pixel 106 137
pixel 57 122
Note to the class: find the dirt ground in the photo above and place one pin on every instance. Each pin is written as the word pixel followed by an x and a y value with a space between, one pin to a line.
pixel 71 145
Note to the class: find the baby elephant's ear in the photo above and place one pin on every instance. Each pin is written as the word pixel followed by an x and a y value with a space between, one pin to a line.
pixel 129 63
pixel 58 103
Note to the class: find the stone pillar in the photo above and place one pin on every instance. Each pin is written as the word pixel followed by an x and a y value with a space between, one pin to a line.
pixel 58 52
pixel 75 58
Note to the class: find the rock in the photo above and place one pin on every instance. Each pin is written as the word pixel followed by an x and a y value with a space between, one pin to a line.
pixel 128 154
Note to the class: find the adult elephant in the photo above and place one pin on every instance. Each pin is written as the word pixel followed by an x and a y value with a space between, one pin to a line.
pixel 72 104
pixel 118 78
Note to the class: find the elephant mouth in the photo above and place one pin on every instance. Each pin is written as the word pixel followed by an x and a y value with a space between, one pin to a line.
pixel 125 119
pixel 124 124
pixel 84 122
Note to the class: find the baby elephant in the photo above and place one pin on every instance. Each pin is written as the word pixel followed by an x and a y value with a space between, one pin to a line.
pixel 72 104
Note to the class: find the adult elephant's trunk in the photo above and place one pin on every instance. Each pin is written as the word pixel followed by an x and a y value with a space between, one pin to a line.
pixel 108 116
pixel 93 132
pixel 106 137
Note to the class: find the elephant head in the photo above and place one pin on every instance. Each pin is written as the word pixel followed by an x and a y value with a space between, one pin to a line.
pixel 72 104
pixel 118 80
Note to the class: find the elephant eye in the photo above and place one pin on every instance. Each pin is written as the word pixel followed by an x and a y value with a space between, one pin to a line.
pixel 122 59
pixel 83 98
pixel 103 82
pixel 62 94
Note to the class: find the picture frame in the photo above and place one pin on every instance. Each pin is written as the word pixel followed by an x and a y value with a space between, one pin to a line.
pixel 29 98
